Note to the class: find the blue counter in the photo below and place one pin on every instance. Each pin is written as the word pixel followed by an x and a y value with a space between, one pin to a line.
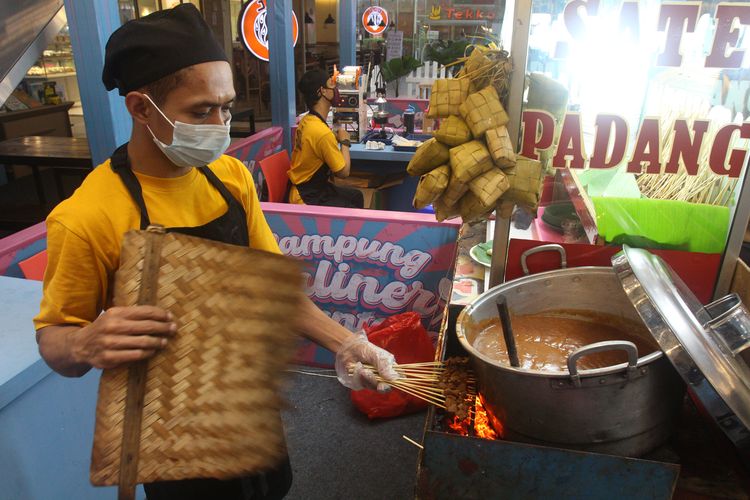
pixel 46 420
pixel 386 162
pixel 359 152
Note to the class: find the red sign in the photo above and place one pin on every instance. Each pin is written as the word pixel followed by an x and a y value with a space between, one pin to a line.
pixel 375 20
pixel 539 132
pixel 254 28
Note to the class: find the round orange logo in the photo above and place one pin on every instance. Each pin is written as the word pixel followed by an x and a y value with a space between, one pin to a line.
pixel 254 28
pixel 375 20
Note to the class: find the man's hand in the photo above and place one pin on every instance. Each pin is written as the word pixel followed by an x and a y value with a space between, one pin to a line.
pixel 342 134
pixel 122 335
pixel 356 352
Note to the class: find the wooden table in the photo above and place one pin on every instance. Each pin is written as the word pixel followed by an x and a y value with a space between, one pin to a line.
pixel 62 153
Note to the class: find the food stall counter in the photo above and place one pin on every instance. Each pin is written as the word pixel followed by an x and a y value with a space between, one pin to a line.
pixel 388 153
pixel 388 162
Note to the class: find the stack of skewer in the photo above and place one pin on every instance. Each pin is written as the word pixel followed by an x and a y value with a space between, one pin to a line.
pixel 449 385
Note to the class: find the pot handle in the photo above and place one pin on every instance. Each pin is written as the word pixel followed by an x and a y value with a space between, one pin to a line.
pixel 544 248
pixel 607 345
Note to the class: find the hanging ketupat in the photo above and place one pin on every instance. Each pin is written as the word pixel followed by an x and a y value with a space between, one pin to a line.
pixel 525 183
pixel 470 160
pixel 501 149
pixel 431 185
pixel 478 67
pixel 446 96
pixel 490 186
pixel 428 156
pixel 443 210
pixel 483 111
pixel 455 190
pixel 453 131
pixel 483 175
pixel 472 208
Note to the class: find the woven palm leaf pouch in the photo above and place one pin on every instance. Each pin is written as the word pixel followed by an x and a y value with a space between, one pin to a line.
pixel 477 67
pixel 431 185
pixel 473 208
pixel 446 96
pixel 453 131
pixel 431 154
pixel 211 398
pixel 470 160
pixel 455 190
pixel 444 211
pixel 500 146
pixel 483 111
pixel 525 183
pixel 490 186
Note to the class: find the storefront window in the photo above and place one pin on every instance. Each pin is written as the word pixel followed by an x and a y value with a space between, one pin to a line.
pixel 421 22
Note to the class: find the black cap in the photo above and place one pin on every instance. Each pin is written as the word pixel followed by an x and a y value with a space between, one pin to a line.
pixel 145 50
pixel 310 83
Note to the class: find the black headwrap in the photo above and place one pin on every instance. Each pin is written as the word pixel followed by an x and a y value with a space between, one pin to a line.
pixel 145 50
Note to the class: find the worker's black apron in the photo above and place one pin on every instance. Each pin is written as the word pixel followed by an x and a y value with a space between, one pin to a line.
pixel 319 190
pixel 228 228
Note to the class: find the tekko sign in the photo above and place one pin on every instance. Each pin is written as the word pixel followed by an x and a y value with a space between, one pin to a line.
pixel 474 13
pixel 611 130
pixel 253 28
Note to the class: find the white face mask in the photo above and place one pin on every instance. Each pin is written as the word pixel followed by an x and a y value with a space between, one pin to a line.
pixel 193 145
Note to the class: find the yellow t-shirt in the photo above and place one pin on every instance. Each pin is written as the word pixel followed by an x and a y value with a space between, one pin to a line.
pixel 314 144
pixel 84 232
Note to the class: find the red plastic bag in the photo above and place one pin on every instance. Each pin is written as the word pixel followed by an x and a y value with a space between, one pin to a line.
pixel 404 336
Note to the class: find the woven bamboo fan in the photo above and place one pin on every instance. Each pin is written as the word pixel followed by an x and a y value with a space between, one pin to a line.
pixel 431 185
pixel 211 400
pixel 429 155
pixel 453 131
pixel 500 146
pixel 483 111
pixel 446 96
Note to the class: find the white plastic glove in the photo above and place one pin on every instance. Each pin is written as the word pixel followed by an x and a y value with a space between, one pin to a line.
pixel 358 351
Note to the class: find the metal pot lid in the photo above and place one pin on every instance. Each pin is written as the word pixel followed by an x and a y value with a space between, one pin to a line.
pixel 691 338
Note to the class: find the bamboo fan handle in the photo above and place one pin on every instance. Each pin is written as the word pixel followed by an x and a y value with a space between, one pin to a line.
pixel 136 390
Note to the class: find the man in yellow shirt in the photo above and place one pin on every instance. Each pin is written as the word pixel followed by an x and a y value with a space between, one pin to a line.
pixel 178 89
pixel 316 153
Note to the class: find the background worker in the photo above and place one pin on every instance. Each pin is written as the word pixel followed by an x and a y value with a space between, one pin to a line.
pixel 318 152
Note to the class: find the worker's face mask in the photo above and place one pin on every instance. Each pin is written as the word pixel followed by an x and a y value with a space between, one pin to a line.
pixel 192 145
pixel 335 97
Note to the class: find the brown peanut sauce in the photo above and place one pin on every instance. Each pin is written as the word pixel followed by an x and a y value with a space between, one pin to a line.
pixel 545 340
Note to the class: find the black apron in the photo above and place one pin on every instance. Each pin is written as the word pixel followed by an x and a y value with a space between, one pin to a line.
pixel 231 227
pixel 319 190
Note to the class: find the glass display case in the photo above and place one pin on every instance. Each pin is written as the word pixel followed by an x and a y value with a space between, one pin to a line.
pixel 52 79
pixel 639 113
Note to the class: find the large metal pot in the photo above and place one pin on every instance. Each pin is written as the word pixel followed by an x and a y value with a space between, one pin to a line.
pixel 626 409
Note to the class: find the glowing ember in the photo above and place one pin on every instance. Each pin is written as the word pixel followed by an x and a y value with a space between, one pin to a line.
pixel 459 426
pixel 481 423
pixel 482 427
